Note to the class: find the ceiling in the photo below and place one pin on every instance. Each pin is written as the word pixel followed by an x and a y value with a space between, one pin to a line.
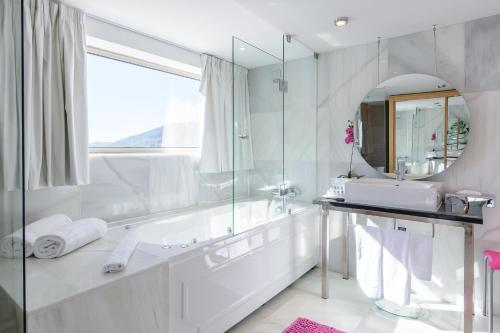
pixel 313 20
pixel 208 26
pixel 204 26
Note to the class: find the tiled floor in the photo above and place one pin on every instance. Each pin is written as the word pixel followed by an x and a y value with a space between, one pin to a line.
pixel 348 310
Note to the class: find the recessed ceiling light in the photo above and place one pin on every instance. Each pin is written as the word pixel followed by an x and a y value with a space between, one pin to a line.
pixel 242 48
pixel 341 21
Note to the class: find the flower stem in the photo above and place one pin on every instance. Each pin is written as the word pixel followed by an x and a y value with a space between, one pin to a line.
pixel 350 163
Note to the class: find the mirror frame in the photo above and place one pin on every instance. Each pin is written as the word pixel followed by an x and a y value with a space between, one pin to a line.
pixel 446 94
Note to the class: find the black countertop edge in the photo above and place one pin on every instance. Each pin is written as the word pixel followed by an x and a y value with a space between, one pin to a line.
pixel 441 214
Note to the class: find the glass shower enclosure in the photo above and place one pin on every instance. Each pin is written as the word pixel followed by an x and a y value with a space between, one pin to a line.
pixel 12 288
pixel 274 132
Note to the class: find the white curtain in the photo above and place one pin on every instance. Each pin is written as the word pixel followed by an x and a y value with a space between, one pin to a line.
pixel 10 95
pixel 10 118
pixel 55 95
pixel 217 143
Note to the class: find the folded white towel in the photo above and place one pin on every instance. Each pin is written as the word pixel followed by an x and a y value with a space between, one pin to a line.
pixel 69 238
pixel 11 246
pixel 120 256
pixel 369 260
pixel 421 256
pixel 395 266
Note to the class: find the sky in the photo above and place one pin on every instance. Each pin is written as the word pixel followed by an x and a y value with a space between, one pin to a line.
pixel 126 99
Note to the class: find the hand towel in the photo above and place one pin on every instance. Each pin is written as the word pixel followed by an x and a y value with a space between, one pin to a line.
pixel 395 266
pixel 69 238
pixel 120 256
pixel 369 260
pixel 11 246
pixel 421 257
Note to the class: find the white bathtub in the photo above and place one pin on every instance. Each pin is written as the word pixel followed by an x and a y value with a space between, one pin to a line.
pixel 189 228
pixel 216 285
pixel 172 284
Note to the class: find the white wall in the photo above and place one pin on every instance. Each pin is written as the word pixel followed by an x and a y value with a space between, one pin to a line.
pixel 469 59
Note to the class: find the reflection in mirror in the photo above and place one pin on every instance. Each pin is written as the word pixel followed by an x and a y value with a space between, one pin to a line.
pixel 417 120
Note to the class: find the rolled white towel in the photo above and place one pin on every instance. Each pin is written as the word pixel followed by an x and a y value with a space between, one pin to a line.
pixel 120 256
pixel 69 238
pixel 11 246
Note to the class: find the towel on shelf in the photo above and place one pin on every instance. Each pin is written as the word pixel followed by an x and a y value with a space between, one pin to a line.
pixel 11 246
pixel 369 260
pixel 421 257
pixel 120 256
pixel 395 266
pixel 69 238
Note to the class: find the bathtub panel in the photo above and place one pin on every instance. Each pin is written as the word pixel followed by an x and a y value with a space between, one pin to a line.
pixel 136 303
pixel 215 287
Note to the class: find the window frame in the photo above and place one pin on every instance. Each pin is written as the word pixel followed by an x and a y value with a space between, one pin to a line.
pixel 149 65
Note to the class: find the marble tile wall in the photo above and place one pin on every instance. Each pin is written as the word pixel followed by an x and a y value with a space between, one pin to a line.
pixel 468 57
pixel 130 185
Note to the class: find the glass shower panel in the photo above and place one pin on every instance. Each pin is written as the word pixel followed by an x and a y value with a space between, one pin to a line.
pixel 258 136
pixel 12 297
pixel 300 123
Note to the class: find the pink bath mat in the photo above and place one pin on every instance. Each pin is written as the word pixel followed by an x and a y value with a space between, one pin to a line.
pixel 303 325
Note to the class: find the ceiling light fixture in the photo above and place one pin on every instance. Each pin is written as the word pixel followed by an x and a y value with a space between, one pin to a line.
pixel 242 48
pixel 341 21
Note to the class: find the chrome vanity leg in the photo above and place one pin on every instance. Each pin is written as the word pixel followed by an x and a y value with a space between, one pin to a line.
pixel 325 252
pixel 345 245
pixel 490 302
pixel 468 278
pixel 485 286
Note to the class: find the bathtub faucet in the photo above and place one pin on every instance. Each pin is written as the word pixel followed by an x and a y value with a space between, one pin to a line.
pixel 285 191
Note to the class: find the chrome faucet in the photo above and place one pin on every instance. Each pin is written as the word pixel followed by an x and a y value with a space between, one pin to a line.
pixel 401 169
pixel 284 192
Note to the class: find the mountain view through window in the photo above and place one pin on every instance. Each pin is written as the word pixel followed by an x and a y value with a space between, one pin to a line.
pixel 132 106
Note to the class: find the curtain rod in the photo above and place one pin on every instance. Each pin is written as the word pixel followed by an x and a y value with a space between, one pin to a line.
pixel 158 39
pixel 118 25
pixel 121 26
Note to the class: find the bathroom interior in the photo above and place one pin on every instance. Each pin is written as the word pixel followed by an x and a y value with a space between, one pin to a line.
pixel 254 166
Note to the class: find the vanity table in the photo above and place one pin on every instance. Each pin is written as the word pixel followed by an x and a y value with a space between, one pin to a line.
pixel 441 217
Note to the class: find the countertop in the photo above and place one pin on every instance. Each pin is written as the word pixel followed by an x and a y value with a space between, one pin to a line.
pixel 441 214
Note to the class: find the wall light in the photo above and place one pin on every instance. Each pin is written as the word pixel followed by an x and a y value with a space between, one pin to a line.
pixel 341 21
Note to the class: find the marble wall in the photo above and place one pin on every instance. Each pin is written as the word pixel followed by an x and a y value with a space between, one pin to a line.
pixel 130 185
pixel 468 57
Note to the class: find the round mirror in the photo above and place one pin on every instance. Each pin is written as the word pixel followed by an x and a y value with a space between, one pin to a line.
pixel 418 122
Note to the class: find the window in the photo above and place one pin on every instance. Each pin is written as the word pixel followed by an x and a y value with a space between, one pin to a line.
pixel 136 106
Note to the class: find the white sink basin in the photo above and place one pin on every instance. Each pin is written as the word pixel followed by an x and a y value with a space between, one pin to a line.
pixel 409 194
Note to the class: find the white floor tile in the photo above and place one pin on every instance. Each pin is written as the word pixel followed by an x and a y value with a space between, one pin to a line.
pixel 349 310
